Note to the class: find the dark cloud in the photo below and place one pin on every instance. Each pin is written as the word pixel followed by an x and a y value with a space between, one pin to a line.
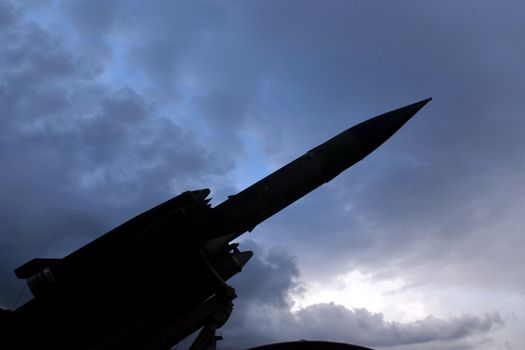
pixel 274 274
pixel 77 157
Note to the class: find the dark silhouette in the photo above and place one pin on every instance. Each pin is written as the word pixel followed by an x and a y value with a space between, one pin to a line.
pixel 157 278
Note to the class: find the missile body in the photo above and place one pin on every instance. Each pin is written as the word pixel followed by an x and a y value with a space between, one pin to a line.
pixel 155 279
pixel 318 166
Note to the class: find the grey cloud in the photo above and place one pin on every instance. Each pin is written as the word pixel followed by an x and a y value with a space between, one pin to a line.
pixel 262 314
pixel 93 18
pixel 77 156
pixel 6 14
pixel 170 38
pixel 362 327
pixel 94 22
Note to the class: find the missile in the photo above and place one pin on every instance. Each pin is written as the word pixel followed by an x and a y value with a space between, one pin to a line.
pixel 319 165
pixel 152 281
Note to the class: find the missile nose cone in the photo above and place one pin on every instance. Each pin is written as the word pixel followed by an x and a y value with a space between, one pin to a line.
pixel 352 145
pixel 373 132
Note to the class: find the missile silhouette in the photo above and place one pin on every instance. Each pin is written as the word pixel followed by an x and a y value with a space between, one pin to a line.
pixel 318 166
pixel 157 278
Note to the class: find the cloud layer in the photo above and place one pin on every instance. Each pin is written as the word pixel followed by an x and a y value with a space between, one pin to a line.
pixel 111 107
pixel 262 314
pixel 71 146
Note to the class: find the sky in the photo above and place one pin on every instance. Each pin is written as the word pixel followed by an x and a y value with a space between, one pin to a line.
pixel 111 107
